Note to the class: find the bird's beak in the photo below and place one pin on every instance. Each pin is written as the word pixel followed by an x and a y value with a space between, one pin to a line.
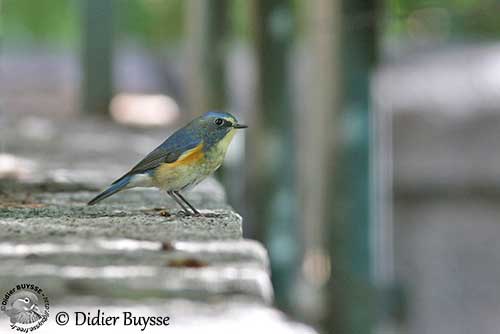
pixel 36 310
pixel 239 126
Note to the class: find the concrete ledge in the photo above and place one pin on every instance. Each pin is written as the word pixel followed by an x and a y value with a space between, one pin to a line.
pixel 125 268
pixel 118 224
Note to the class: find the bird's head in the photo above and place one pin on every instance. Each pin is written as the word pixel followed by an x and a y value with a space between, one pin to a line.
pixel 214 126
pixel 23 308
pixel 24 301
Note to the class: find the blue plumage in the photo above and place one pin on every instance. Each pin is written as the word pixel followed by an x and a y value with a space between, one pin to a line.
pixel 113 189
pixel 167 152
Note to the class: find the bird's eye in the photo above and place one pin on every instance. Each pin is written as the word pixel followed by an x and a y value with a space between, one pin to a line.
pixel 219 121
pixel 26 300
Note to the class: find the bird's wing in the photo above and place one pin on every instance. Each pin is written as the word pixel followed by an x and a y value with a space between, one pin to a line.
pixel 169 151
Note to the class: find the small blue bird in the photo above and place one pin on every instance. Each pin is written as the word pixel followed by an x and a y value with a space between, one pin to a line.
pixel 183 160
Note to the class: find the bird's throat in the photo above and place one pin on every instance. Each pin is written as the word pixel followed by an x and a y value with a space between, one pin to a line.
pixel 222 146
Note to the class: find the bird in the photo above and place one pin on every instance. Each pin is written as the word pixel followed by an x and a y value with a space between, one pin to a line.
pixel 23 308
pixel 183 160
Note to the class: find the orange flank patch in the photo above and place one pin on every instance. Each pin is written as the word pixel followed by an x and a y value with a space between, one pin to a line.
pixel 181 172
pixel 191 156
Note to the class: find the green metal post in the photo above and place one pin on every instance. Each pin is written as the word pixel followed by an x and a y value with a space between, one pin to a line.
pixel 97 56
pixel 352 290
pixel 207 27
pixel 270 149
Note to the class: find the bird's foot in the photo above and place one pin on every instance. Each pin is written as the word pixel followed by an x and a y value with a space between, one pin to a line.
pixel 184 213
pixel 212 215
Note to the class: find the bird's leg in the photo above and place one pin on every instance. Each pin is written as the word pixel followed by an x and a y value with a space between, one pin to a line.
pixel 172 194
pixel 196 212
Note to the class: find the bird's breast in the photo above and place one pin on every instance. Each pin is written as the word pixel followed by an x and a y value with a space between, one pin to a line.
pixel 190 169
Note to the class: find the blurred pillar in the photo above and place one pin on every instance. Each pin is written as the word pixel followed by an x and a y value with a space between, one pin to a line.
pixel 319 134
pixel 336 164
pixel 351 220
pixel 207 25
pixel 270 150
pixel 97 55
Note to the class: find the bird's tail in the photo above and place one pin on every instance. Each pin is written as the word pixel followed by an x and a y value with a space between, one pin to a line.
pixel 113 189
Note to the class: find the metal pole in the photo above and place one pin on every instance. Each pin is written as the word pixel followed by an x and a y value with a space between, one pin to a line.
pixel 270 148
pixel 351 221
pixel 206 81
pixel 97 56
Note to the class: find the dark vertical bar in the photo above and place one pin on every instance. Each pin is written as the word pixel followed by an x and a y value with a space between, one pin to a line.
pixel 97 55
pixel 352 291
pixel 207 27
pixel 270 150
pixel 215 49
pixel 359 59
